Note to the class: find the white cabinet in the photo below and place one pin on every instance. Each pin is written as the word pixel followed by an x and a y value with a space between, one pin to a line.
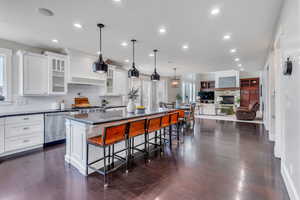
pixel 23 133
pixel 116 82
pixel 121 82
pixel 58 65
pixel 33 69
pixel 1 136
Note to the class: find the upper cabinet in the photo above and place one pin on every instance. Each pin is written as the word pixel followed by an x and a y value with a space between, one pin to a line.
pixel 58 65
pixel 80 69
pixel 116 82
pixel 33 70
pixel 42 74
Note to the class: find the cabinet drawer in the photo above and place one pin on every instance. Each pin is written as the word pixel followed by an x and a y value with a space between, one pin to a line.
pixel 24 119
pixel 23 130
pixel 12 144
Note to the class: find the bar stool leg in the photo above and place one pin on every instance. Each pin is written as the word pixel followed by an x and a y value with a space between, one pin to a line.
pixel 87 159
pixel 160 142
pixel 145 147
pixel 127 147
pixel 113 155
pixel 170 136
pixel 177 127
pixel 109 150
pixel 132 149
pixel 104 153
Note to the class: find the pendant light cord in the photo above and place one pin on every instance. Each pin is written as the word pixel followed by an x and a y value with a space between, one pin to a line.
pixel 155 51
pixel 133 52
pixel 100 41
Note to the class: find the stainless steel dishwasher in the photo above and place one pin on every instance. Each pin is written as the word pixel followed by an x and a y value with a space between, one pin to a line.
pixel 55 128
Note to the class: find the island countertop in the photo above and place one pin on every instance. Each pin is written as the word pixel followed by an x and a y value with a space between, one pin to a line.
pixel 97 118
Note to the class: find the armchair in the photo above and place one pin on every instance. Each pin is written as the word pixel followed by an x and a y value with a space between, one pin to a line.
pixel 244 113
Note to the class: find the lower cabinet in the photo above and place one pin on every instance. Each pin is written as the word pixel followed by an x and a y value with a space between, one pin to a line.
pixel 1 136
pixel 22 133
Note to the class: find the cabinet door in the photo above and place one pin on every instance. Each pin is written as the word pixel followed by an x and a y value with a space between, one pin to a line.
pixel 35 75
pixel 1 139
pixel 121 82
pixel 57 75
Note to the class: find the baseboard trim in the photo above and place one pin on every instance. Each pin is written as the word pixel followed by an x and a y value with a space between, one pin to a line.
pixel 289 183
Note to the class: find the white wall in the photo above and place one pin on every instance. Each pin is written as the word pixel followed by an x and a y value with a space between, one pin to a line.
pixel 36 103
pixel 287 96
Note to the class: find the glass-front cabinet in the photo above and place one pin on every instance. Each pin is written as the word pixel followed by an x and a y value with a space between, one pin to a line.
pixel 57 74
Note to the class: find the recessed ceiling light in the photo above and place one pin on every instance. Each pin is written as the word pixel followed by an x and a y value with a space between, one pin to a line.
pixel 54 40
pixel 151 54
pixel 46 12
pixel 240 65
pixel 162 30
pixel 117 1
pixel 236 59
pixel 185 47
pixel 227 37
pixel 215 11
pixel 77 25
pixel 242 69
pixel 127 61
pixel 124 44
pixel 232 50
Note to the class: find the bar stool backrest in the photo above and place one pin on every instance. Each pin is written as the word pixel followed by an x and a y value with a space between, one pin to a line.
pixel 181 114
pixel 154 124
pixel 165 121
pixel 174 118
pixel 137 128
pixel 114 134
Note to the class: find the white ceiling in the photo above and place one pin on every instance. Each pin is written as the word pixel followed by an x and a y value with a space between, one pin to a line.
pixel 250 22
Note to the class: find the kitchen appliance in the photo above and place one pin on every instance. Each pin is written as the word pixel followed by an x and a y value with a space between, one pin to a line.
pixel 55 128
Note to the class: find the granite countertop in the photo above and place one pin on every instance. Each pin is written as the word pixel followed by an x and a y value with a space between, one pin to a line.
pixel 34 112
pixel 113 116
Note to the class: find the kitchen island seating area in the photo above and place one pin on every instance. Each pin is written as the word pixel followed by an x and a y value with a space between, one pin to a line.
pixel 126 133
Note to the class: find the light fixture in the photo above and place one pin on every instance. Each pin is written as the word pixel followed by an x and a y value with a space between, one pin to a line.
pixel 236 59
pixel 175 81
pixel 155 76
pixel 124 44
pixel 127 60
pixel 162 30
pixel 77 25
pixel 215 11
pixel 240 65
pixel 45 12
pixel 227 37
pixel 100 65
pixel 185 47
pixel 232 50
pixel 98 52
pixel 242 69
pixel 54 40
pixel 117 1
pixel 133 72
pixel 151 54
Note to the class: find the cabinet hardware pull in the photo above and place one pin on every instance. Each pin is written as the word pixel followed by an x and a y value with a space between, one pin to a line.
pixel 26 128
pixel 26 118
pixel 24 141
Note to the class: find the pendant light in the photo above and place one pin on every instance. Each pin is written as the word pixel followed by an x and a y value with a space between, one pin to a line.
pixel 155 76
pixel 175 81
pixel 100 65
pixel 133 72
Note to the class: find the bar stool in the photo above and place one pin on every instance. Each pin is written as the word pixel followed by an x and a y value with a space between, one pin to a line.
pixel 111 136
pixel 137 128
pixel 165 123
pixel 154 125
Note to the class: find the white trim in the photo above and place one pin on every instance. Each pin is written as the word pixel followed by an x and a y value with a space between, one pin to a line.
pixel 7 53
pixel 289 183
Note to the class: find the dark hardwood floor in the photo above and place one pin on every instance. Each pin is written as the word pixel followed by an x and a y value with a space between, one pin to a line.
pixel 222 160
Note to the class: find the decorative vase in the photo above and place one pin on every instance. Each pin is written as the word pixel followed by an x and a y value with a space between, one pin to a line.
pixel 131 106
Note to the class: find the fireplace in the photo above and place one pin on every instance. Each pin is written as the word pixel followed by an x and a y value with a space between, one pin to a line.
pixel 227 99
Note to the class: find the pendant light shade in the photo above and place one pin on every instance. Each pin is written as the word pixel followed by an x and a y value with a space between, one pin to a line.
pixel 155 76
pixel 100 65
pixel 133 72
pixel 175 82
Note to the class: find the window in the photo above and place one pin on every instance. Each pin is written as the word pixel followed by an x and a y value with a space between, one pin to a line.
pixel 5 75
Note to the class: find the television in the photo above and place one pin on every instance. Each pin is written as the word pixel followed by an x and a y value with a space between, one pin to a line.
pixel 206 95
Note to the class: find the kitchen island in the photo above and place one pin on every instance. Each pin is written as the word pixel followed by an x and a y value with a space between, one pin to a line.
pixel 79 127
